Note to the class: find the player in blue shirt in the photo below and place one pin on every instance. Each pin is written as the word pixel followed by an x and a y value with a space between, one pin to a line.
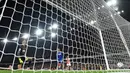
pixel 59 58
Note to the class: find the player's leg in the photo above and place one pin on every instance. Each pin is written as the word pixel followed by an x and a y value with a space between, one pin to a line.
pixel 21 61
pixel 68 66
pixel 59 65
pixel 29 64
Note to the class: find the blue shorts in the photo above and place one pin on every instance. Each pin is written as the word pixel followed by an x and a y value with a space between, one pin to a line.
pixel 60 61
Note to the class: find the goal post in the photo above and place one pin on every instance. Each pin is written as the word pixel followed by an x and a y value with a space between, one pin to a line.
pixel 3 8
pixel 104 51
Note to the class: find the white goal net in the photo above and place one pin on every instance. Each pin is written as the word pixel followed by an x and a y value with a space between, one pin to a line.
pixel 62 35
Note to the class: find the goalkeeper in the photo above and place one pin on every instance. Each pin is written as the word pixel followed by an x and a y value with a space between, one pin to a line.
pixel 60 59
pixel 21 53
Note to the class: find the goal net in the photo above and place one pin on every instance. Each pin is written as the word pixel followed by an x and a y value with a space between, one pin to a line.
pixel 49 35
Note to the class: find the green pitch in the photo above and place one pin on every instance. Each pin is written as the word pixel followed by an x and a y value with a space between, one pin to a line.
pixel 101 71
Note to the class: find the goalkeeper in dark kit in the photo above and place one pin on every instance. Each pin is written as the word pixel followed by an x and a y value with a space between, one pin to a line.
pixel 22 55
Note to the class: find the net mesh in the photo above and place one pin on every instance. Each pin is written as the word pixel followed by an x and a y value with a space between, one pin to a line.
pixel 88 31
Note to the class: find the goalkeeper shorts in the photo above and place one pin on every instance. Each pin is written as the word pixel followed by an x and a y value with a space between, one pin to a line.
pixel 22 59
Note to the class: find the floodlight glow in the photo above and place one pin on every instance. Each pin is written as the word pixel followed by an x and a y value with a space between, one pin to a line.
pixel 122 11
pixel 118 12
pixel 5 40
pixel 43 37
pixel 102 6
pixel 74 18
pixel 92 22
pixel 54 26
pixel 98 7
pixel 53 35
pixel 109 3
pixel 25 36
pixel 112 3
pixel 50 27
pixel 38 32
pixel 116 8
pixel 72 29
pixel 15 38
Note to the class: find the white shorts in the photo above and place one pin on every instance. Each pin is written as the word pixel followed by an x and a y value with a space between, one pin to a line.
pixel 68 64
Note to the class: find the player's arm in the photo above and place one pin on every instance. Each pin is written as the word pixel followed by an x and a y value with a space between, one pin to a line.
pixel 62 55
pixel 57 56
pixel 24 45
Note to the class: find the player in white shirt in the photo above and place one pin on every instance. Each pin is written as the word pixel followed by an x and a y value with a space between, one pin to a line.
pixel 68 63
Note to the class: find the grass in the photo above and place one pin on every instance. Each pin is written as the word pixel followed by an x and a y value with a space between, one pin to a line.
pixel 49 71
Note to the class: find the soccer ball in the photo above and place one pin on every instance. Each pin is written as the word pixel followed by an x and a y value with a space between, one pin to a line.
pixel 120 64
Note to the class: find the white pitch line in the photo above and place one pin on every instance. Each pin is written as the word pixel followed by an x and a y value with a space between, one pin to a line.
pixel 118 72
